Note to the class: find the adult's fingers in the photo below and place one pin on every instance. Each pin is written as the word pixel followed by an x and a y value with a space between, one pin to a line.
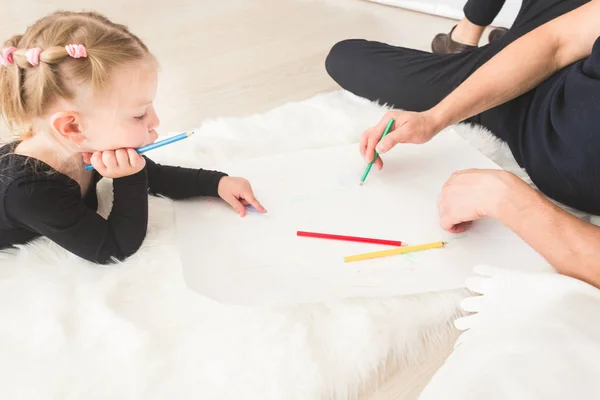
pixel 372 136
pixel 397 136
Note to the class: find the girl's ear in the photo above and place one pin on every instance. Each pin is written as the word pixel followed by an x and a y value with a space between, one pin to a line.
pixel 66 124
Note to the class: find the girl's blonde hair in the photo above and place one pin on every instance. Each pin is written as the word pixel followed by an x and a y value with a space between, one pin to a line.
pixel 26 91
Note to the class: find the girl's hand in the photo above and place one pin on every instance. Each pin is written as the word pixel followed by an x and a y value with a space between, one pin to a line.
pixel 237 192
pixel 115 163
pixel 409 127
pixel 477 193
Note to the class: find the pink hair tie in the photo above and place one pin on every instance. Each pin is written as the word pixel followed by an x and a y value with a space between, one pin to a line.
pixel 76 50
pixel 7 55
pixel 33 56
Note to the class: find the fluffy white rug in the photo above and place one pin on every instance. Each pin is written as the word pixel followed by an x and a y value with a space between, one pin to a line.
pixel 71 330
pixel 529 336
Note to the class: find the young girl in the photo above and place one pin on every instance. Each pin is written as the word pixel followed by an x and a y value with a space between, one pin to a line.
pixel 79 89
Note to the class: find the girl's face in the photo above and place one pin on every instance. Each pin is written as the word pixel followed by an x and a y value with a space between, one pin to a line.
pixel 124 116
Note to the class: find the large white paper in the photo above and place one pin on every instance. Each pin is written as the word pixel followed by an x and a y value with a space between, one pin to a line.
pixel 259 260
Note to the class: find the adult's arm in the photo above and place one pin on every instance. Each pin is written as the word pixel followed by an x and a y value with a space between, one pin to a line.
pixel 516 69
pixel 522 65
pixel 569 244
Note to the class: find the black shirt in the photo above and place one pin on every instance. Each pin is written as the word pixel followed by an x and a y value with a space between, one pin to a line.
pixel 36 200
pixel 554 133
pixel 561 145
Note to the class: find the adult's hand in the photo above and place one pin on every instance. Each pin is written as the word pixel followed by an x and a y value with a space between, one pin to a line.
pixel 571 245
pixel 409 127
pixel 477 193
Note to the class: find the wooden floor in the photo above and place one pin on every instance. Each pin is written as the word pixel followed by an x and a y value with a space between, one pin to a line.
pixel 238 57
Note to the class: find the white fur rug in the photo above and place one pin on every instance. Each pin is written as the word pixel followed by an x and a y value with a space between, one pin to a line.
pixel 72 330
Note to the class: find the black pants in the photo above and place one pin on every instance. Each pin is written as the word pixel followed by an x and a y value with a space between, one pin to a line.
pixel 482 12
pixel 415 80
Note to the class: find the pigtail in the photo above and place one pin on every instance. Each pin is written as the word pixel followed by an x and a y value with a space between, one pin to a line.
pixel 41 87
pixel 12 105
pixel 30 86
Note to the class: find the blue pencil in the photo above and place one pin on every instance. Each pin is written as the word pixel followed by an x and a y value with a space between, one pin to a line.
pixel 155 145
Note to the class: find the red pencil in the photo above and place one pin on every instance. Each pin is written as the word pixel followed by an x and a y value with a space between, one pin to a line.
pixel 349 238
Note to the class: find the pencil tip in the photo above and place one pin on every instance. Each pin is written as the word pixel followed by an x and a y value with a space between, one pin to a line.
pixel 361 183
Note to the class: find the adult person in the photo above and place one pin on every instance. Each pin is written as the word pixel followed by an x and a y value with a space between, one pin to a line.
pixel 537 88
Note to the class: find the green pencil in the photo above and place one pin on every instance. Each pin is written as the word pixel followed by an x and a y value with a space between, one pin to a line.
pixel 385 132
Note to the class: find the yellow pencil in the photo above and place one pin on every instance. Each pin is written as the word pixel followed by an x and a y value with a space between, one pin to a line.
pixel 393 252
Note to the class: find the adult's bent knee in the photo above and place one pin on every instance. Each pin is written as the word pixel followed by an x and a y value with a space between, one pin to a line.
pixel 340 57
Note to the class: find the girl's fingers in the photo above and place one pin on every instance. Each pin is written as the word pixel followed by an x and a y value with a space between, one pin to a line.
pixel 109 159
pixel 256 204
pixel 96 161
pixel 87 157
pixel 236 204
pixel 122 158
pixel 135 159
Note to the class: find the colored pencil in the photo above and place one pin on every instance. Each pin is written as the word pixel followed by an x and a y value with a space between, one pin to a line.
pixel 155 145
pixel 392 252
pixel 368 169
pixel 349 238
